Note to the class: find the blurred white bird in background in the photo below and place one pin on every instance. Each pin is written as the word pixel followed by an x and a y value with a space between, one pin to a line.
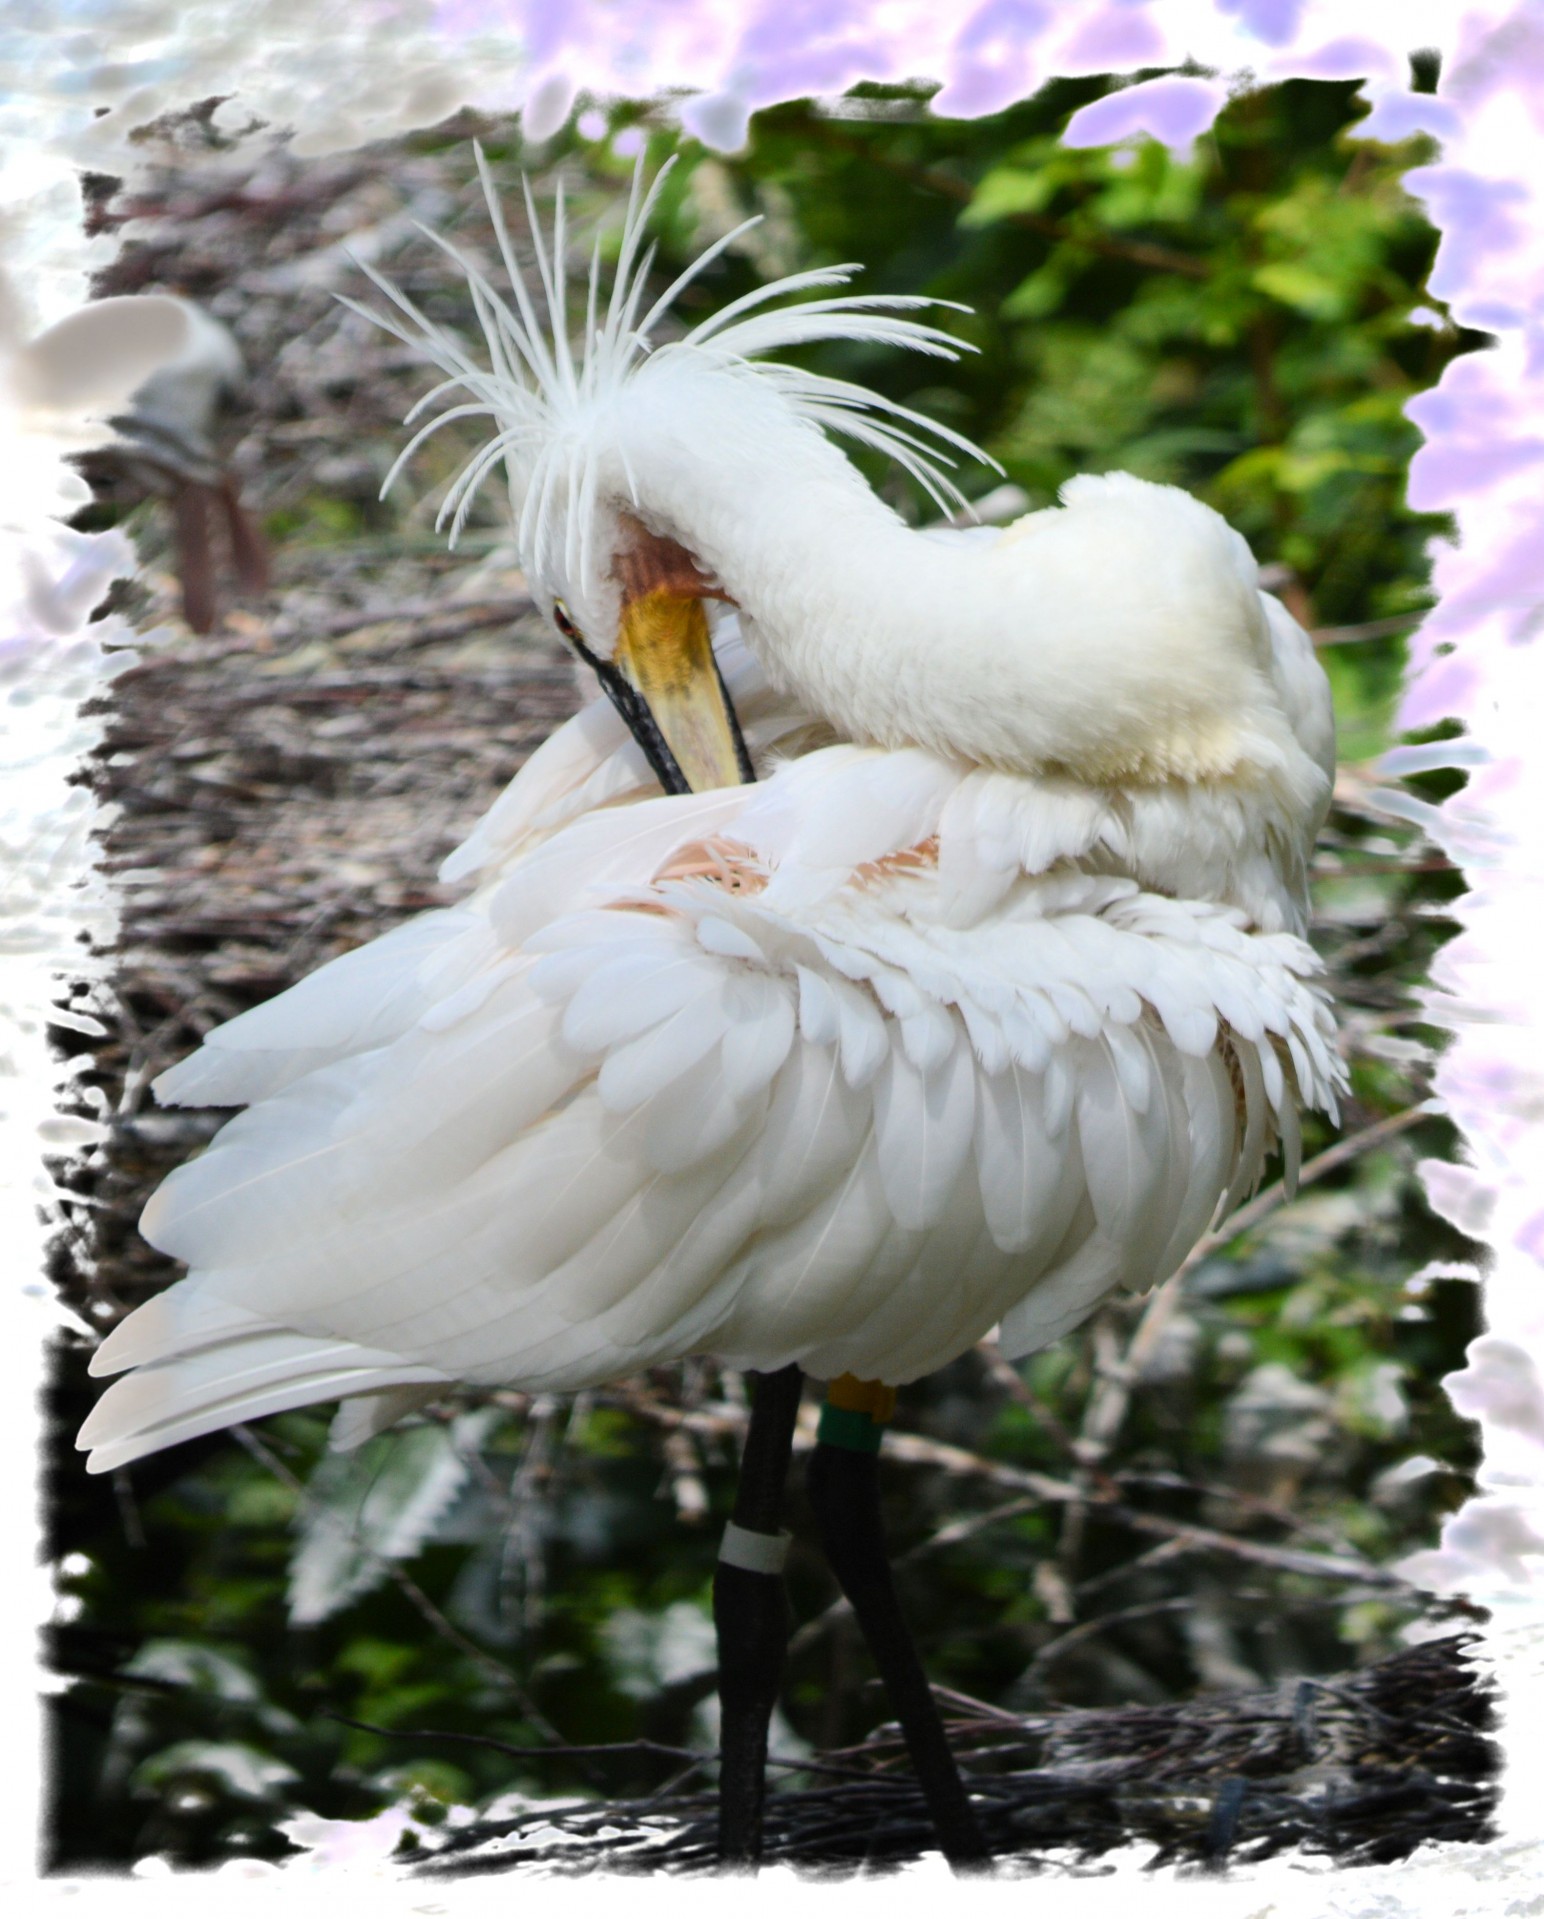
pixel 982 1002
pixel 168 447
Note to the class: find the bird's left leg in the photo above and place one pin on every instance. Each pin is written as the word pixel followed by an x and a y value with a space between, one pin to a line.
pixel 750 1611
pixel 843 1487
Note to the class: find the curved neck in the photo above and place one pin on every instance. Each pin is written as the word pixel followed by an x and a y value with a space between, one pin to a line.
pixel 839 602
pixel 1118 638
pixel 838 597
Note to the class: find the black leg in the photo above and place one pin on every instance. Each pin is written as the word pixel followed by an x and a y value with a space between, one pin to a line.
pixel 844 1491
pixel 750 1612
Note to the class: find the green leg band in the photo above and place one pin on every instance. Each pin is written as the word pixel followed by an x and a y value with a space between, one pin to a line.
pixel 857 1432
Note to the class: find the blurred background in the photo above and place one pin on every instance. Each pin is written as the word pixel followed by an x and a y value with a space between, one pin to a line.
pixel 1200 1490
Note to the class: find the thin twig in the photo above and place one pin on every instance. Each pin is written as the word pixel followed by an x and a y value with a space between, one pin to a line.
pixel 1159 1555
pixel 1110 1401
pixel 611 1749
pixel 1329 1161
pixel 1115 1391
pixel 1005 1374
pixel 1365 630
pixel 1074 1636
pixel 950 1535
pixel 433 620
pixel 966 1528
pixel 556 1750
pixel 411 1590
pixel 1278 1558
pixel 1234 1496
pixel 914 1449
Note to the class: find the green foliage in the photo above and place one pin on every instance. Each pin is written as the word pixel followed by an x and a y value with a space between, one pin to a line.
pixel 1238 321
pixel 363 1510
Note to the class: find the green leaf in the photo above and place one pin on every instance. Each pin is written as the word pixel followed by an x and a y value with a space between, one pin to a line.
pixel 240 1770
pixel 1040 294
pixel 649 1650
pixel 199 1667
pixel 1300 287
pixel 1370 1401
pixel 429 1785
pixel 1008 190
pixel 382 1503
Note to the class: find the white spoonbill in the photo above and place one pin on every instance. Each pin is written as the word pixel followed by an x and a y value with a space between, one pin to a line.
pixel 168 445
pixel 980 1004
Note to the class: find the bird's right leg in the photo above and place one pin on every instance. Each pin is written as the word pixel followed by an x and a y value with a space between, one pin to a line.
pixel 843 1487
pixel 750 1612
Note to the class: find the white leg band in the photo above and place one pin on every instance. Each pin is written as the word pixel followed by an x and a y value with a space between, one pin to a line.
pixel 754 1552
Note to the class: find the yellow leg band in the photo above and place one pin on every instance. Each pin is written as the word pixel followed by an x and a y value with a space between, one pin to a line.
pixel 854 1395
pixel 855 1413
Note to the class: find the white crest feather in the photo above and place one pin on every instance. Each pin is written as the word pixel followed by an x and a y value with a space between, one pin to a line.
pixel 549 400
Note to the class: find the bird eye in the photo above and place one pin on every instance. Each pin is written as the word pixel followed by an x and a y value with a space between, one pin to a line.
pixel 563 623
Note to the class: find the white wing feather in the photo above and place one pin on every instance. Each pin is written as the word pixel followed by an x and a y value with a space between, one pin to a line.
pixel 841 1067
pixel 594 1117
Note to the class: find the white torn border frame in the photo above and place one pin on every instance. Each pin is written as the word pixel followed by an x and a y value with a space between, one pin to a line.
pixel 77 76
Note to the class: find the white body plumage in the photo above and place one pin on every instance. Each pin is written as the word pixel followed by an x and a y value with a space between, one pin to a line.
pixel 977 1007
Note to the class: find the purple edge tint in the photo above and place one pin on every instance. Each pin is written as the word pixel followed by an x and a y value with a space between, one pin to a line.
pixel 1347 57
pixel 1448 474
pixel 992 61
pixel 1174 109
pixel 1274 22
pixel 1113 41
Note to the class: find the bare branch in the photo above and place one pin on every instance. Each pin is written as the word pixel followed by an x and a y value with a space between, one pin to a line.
pixel 411 1590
